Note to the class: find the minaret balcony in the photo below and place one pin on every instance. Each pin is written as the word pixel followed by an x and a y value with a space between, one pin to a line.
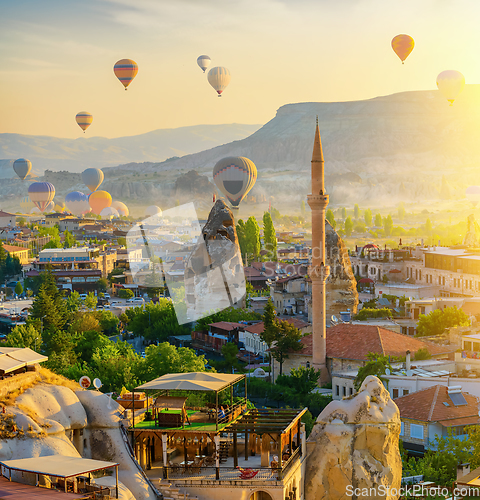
pixel 318 201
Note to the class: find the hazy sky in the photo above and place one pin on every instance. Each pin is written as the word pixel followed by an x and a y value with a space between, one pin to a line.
pixel 57 58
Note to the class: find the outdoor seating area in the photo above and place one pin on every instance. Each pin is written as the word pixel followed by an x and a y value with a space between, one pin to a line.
pixel 70 475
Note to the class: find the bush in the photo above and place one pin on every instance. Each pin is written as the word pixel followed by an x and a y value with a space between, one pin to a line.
pixel 366 313
pixel 125 293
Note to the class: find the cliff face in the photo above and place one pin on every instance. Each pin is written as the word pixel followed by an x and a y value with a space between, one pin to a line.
pixel 48 418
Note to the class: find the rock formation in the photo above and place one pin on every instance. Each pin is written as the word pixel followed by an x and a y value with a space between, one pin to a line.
pixel 353 446
pixel 53 415
pixel 191 184
pixel 214 277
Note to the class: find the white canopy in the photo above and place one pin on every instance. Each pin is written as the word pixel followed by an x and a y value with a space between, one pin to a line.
pixel 13 358
pixel 193 381
pixel 57 465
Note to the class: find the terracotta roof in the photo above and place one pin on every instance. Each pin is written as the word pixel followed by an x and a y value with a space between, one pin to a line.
pixel 258 328
pixel 289 278
pixel 356 341
pixel 6 214
pixel 12 248
pixel 226 325
pixel 428 405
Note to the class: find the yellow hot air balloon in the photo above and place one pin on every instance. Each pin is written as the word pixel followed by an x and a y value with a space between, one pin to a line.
pixel 219 78
pixel 235 176
pixel 121 208
pixel 99 200
pixel 450 83
pixel 125 70
pixel 403 46
pixel 84 120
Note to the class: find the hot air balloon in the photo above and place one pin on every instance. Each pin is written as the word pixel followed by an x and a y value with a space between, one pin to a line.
pixel 473 194
pixel 450 83
pixel 84 120
pixel 109 213
pixel 121 208
pixel 35 210
pixel 153 210
pixel 59 206
pixel 22 167
pixel 49 208
pixel 125 70
pixel 99 200
pixel 403 46
pixel 235 176
pixel 77 203
pixel 219 78
pixel 92 178
pixel 41 193
pixel 203 62
pixel 26 204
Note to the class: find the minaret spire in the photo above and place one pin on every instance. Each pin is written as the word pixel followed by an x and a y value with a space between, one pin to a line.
pixel 318 271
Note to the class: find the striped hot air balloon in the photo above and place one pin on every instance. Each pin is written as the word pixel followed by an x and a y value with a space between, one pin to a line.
pixel 99 200
pixel 26 204
pixel 84 120
pixel 92 178
pixel 77 203
pixel 403 46
pixel 219 78
pixel 125 70
pixel 41 193
pixel 235 176
pixel 22 167
pixel 203 62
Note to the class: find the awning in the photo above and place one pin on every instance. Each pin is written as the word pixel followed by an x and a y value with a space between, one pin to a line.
pixel 193 381
pixel 13 358
pixel 365 280
pixel 57 465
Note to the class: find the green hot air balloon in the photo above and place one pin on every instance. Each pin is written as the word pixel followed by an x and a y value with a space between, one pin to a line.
pixel 235 176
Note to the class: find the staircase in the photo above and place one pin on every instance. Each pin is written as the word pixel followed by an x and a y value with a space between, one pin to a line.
pixel 170 492
pixel 223 452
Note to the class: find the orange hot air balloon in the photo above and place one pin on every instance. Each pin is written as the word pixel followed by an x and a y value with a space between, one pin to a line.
pixel 125 70
pixel 99 200
pixel 84 120
pixel 403 46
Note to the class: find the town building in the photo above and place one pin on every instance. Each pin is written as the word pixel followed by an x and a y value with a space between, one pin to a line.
pixel 7 219
pixel 15 251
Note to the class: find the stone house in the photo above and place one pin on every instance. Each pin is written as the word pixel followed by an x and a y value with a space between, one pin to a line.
pixel 432 412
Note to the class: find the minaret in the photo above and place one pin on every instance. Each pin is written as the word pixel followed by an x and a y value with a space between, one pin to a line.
pixel 318 272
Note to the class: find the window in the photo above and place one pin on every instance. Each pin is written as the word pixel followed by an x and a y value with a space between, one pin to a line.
pixel 476 346
pixel 337 390
pixel 455 282
pixel 351 391
pixel 344 391
pixel 405 392
pixel 395 393
pixel 402 428
pixel 467 346
pixel 416 431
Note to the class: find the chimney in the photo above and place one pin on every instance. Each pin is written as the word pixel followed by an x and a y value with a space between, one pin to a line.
pixel 408 362
pixel 462 470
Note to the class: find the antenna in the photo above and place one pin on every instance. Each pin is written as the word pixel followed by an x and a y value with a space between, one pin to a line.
pixel 97 383
pixel 387 371
pixel 85 382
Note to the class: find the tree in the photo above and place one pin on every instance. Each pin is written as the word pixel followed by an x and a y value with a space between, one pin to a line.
pixel 69 240
pixel 288 339
pixel 91 301
pixel 25 336
pixel 356 211
pixel 367 216
pixel 302 380
pixel 230 314
pixel 102 285
pixel 378 220
pixel 125 293
pixel 108 321
pixel 377 365
pixel 269 236
pixel 242 237
pixel 348 226
pixel 230 360
pixel 436 322
pixel 18 288
pixel 388 225
pixel 331 218
pixel 74 302
pixel 344 213
pixel 252 234
pixel 302 208
pixel 422 353
pixel 401 211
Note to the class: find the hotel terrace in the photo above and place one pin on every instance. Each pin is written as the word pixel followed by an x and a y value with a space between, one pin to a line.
pixel 197 435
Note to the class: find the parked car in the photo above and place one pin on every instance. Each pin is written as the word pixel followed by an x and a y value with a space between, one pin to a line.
pixel 106 296
pixel 83 296
pixel 135 300
pixel 106 306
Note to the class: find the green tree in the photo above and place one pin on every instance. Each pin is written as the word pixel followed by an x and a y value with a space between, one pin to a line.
pixel 378 220
pixel 269 237
pixel 18 288
pixel 91 301
pixel 377 365
pixel 344 213
pixel 125 293
pixel 388 225
pixel 436 322
pixel 302 380
pixel 422 353
pixel 242 237
pixel 88 342
pixel 102 285
pixel 367 216
pixel 108 321
pixel 288 339
pixel 230 314
pixel 331 218
pixel 74 302
pixel 356 211
pixel 69 240
pixel 401 211
pixel 230 361
pixel 25 336
pixel 348 226
pixel 302 208
pixel 252 233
